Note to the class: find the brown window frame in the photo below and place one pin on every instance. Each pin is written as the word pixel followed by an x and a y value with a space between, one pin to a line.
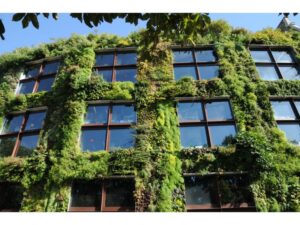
pixel 273 62
pixel 115 66
pixel 109 125
pixel 103 207
pixel 196 63
pixel 22 132
pixel 205 122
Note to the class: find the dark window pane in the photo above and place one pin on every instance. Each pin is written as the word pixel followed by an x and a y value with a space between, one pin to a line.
pixel 123 114
pixel 267 72
pixel 51 68
pixel 218 111
pixel 205 56
pixel 86 194
pixel 119 193
pixel 201 191
pixel 11 197
pixel 193 136
pixel 282 57
pixel 105 60
pixel 126 58
pixel 297 103
pixel 292 132
pixel 222 134
pixel 7 145
pixel 121 138
pixel 96 114
pixel 283 110
pixel 126 75
pixel 188 111
pixel 25 87
pixel 27 145
pixel 182 56
pixel 93 140
pixel 260 56
pixel 32 72
pixel 46 84
pixel 185 71
pixel 12 123
pixel 106 74
pixel 208 72
pixel 35 120
pixel 290 72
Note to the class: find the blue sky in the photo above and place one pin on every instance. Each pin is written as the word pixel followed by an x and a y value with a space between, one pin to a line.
pixel 62 28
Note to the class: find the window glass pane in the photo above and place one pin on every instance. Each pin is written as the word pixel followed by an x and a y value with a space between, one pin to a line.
pixel 86 194
pixel 190 111
pixel 96 114
pixel 297 103
pixel 267 72
pixel 205 56
pixel 123 114
pixel 106 74
pixel 126 75
pixel 11 197
pixel 7 145
pixel 126 58
pixel 282 57
pixel 93 140
pixel 35 120
pixel 193 136
pixel 292 132
pixel 208 72
pixel 27 145
pixel 182 56
pixel 46 84
pixel 119 193
pixel 121 138
pixel 200 191
pixel 12 123
pixel 290 72
pixel 222 134
pixel 260 56
pixel 32 72
pixel 105 59
pixel 218 111
pixel 283 110
pixel 25 87
pixel 185 71
pixel 51 68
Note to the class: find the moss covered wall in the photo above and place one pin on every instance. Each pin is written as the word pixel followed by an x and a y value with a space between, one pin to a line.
pixel 157 161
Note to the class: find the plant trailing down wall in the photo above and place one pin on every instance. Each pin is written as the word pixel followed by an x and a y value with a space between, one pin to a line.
pixel 157 161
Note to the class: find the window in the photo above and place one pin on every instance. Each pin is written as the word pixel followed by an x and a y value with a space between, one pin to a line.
pixel 108 127
pixel 38 78
pixel 218 193
pixel 199 64
pixel 273 63
pixel 286 113
pixel 116 66
pixel 106 196
pixel 11 197
pixel 20 133
pixel 206 123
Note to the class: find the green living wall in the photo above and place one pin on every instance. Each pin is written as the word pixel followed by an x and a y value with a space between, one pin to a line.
pixel 157 161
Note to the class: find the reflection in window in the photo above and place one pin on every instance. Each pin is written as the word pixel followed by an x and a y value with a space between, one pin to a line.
pixel 126 58
pixel 7 145
pixel 27 145
pixel 26 87
pixel 105 74
pixel 282 57
pixel 218 110
pixel 105 60
pixel 35 120
pixel 208 72
pixel 182 56
pixel 33 72
pixel 93 140
pixel 12 124
pixel 292 132
pixel 185 71
pixel 260 56
pixel 283 110
pixel 222 134
pixel 193 136
pixel 121 138
pixel 126 75
pixel 46 84
pixel 267 73
pixel 205 56
pixel 289 72
pixel 123 114
pixel 96 114
pixel 51 68
pixel 189 111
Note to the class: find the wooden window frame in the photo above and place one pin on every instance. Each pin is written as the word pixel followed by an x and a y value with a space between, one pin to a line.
pixel 108 126
pixel 205 122
pixel 22 132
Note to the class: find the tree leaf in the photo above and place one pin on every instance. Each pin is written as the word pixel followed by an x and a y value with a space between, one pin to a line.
pixel 2 30
pixel 34 20
pixel 46 15
pixel 25 21
pixel 18 16
pixel 55 16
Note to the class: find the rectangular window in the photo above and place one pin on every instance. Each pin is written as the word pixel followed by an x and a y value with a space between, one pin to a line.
pixel 287 115
pixel 218 193
pixel 38 78
pixel 116 66
pixel 20 133
pixel 108 127
pixel 11 197
pixel 205 123
pixel 199 64
pixel 111 195
pixel 275 63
